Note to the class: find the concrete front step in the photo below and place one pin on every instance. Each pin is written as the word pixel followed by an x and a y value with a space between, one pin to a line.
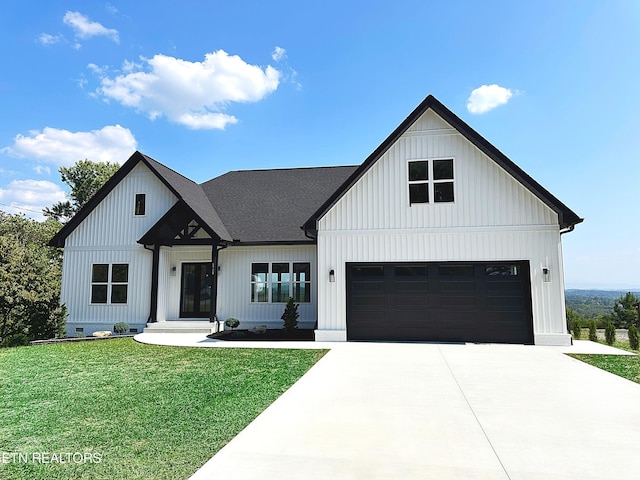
pixel 180 327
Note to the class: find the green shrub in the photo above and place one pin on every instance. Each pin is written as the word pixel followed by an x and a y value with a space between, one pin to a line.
pixel 610 333
pixel 290 316
pixel 593 335
pixel 634 341
pixel 15 340
pixel 232 323
pixel 121 327
pixel 576 329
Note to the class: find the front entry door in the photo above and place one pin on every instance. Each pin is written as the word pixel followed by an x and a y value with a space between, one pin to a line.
pixel 195 290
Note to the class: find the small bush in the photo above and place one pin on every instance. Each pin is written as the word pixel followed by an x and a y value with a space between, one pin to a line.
pixel 610 333
pixel 593 335
pixel 634 341
pixel 290 316
pixel 576 329
pixel 232 323
pixel 121 327
pixel 15 340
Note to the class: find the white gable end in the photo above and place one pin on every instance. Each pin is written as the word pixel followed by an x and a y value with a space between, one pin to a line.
pixel 113 222
pixel 484 194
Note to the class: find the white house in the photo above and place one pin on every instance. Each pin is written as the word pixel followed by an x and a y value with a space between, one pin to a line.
pixel 437 236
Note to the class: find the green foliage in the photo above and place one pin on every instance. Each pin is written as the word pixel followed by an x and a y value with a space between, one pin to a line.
pixel 575 321
pixel 121 327
pixel 30 277
pixel 15 340
pixel 610 333
pixel 593 335
pixel 290 316
pixel 84 178
pixel 592 303
pixel 624 313
pixel 232 322
pixel 96 396
pixel 634 341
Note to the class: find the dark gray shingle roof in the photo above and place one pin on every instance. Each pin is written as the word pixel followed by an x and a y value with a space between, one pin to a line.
pixel 271 205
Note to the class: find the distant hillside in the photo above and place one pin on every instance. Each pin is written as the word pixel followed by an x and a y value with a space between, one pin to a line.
pixel 591 303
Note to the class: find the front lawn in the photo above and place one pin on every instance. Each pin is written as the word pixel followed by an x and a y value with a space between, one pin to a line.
pixel 622 365
pixel 131 410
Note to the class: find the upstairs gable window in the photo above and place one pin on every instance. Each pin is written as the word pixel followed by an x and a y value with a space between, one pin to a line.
pixel 431 180
pixel 140 204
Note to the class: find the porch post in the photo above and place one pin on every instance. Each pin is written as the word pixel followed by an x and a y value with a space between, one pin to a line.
pixel 153 310
pixel 213 317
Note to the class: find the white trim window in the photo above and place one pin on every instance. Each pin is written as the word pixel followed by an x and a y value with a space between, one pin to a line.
pixel 275 282
pixel 109 283
pixel 431 181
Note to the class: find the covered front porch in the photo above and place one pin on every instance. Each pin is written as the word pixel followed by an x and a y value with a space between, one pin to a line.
pixel 184 276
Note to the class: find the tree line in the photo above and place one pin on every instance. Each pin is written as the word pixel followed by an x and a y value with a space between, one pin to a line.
pixel 30 270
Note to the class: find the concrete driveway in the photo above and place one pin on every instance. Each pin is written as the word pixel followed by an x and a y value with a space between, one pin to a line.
pixel 442 411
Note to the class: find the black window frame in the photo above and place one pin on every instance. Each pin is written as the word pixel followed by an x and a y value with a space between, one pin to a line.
pixel 431 180
pixel 272 283
pixel 112 289
pixel 140 205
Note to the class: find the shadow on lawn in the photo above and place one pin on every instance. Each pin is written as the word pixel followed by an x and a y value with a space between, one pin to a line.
pixel 269 335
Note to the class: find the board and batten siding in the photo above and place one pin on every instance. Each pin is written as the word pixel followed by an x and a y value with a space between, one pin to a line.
pixel 234 283
pixel 109 234
pixel 494 217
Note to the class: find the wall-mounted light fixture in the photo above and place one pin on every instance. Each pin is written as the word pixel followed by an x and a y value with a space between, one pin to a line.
pixel 546 275
pixel 173 271
pixel 332 275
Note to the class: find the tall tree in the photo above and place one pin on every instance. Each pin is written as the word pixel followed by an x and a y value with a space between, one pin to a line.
pixel 624 312
pixel 84 178
pixel 30 273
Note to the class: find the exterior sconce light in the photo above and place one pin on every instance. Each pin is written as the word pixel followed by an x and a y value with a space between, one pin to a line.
pixel 332 276
pixel 173 271
pixel 546 275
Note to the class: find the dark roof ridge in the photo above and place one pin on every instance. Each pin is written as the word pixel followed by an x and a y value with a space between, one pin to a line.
pixel 566 217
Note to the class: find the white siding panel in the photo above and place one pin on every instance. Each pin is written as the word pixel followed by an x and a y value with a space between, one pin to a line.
pixel 112 222
pixel 76 289
pixel 485 194
pixel 234 293
pixel 541 247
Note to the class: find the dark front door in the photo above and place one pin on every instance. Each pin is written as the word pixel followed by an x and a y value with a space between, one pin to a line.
pixel 195 290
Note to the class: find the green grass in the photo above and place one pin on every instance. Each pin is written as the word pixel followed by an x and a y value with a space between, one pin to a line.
pixel 622 365
pixel 148 411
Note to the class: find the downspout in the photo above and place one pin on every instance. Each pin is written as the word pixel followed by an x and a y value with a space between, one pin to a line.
pixel 213 311
pixel 153 308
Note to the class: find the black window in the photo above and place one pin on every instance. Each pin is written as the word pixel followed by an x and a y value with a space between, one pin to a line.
pixel 109 283
pixel 140 207
pixel 431 179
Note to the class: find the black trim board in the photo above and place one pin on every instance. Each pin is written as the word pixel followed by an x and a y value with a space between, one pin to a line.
pixel 566 217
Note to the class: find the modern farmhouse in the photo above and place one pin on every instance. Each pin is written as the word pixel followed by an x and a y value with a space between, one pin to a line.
pixel 436 236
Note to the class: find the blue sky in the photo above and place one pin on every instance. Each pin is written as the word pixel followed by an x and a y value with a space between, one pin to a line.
pixel 211 86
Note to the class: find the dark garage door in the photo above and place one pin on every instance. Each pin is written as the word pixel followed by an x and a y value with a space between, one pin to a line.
pixel 445 302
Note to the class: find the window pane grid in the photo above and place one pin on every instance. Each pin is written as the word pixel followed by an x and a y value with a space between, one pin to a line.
pixel 431 180
pixel 276 282
pixel 109 283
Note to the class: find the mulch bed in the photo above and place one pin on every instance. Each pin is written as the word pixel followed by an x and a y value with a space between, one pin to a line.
pixel 269 335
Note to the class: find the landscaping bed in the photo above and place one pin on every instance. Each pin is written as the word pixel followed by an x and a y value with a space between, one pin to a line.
pixel 271 335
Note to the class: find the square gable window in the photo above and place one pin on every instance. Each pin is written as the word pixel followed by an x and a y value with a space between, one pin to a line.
pixel 431 180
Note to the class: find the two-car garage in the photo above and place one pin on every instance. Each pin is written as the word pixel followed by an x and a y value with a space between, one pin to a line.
pixel 445 302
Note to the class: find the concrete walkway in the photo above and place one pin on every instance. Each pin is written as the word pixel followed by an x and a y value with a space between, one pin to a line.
pixel 442 411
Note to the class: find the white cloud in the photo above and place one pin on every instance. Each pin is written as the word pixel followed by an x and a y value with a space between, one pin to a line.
pixel 278 54
pixel 29 197
pixel 488 97
pixel 47 39
pixel 42 170
pixel 85 28
pixel 193 94
pixel 61 147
